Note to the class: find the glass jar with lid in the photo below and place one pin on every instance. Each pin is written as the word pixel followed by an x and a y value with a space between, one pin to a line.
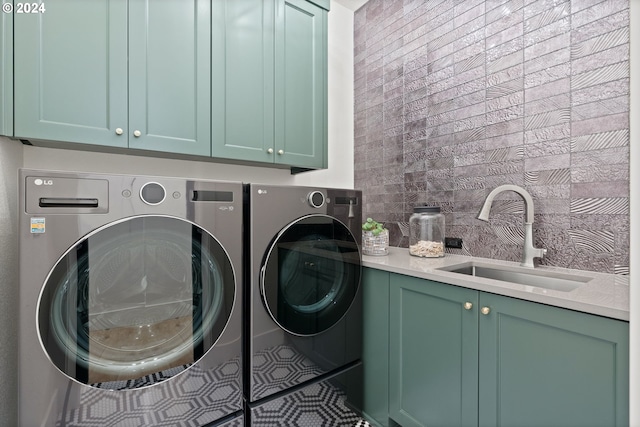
pixel 426 232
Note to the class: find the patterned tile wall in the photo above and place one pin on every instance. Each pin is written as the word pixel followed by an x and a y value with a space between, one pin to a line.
pixel 456 97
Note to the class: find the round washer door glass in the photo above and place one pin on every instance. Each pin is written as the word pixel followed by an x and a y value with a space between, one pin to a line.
pixel 310 274
pixel 136 302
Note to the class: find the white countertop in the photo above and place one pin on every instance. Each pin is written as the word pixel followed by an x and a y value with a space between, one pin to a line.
pixel 604 294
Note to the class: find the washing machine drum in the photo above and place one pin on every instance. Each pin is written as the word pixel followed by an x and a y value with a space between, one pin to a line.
pixel 311 274
pixel 136 302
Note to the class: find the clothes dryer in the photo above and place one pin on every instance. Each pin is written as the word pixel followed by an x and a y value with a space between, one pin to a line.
pixel 303 300
pixel 130 300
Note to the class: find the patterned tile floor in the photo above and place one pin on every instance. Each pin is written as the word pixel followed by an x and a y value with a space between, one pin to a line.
pixel 280 368
pixel 317 405
pixel 194 398
pixel 201 397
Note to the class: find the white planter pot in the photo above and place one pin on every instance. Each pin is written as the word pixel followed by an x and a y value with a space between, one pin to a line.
pixel 375 245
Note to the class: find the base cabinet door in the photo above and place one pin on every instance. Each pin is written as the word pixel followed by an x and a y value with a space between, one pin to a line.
pixel 546 366
pixel 375 341
pixel 433 360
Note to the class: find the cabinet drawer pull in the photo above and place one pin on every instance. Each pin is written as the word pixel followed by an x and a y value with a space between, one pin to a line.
pixel 468 306
pixel 270 151
pixel 137 133
pixel 119 131
pixel 281 152
pixel 485 310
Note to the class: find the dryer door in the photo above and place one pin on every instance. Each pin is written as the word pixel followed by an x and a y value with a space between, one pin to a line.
pixel 310 274
pixel 136 302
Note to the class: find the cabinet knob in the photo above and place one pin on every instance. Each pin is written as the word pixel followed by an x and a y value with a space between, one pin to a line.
pixel 137 133
pixel 485 310
pixel 270 151
pixel 468 306
pixel 119 131
pixel 281 152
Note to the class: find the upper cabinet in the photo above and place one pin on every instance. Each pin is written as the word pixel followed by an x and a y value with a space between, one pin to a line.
pixel 242 68
pixel 6 74
pixel 234 79
pixel 269 82
pixel 301 84
pixel 115 73
pixel 71 79
pixel 169 76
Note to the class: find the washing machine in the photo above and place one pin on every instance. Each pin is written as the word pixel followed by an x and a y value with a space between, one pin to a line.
pixel 130 300
pixel 303 305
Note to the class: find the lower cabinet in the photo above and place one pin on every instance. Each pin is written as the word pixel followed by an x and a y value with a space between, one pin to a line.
pixel 459 357
pixel 375 341
pixel 433 354
pixel 546 366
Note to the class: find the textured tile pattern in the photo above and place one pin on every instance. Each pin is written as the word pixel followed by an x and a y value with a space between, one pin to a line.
pixel 453 98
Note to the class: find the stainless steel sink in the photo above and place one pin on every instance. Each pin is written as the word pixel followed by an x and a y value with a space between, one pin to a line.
pixel 538 277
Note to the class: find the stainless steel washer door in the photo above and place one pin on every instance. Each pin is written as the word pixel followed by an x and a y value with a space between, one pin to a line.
pixel 310 275
pixel 136 302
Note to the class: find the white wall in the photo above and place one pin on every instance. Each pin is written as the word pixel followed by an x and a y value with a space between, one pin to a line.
pixel 340 172
pixel 634 183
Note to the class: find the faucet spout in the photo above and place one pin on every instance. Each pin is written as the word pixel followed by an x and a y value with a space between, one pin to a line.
pixel 529 252
pixel 528 201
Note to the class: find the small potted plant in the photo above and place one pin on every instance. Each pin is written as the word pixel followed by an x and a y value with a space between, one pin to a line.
pixel 375 238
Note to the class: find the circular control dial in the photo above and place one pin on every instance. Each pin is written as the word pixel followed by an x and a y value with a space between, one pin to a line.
pixel 316 199
pixel 152 193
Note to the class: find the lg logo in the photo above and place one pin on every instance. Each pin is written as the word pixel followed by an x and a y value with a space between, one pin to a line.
pixel 39 181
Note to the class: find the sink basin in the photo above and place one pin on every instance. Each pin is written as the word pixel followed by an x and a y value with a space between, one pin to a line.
pixel 537 277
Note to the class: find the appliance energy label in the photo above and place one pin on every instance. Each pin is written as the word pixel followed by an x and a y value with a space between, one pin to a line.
pixel 37 225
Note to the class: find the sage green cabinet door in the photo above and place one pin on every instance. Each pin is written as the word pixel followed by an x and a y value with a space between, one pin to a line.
pixel 115 73
pixel 375 354
pixel 6 74
pixel 546 366
pixel 243 79
pixel 71 83
pixel 433 357
pixel 169 76
pixel 301 84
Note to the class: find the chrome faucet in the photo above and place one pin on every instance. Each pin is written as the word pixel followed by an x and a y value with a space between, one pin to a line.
pixel 529 252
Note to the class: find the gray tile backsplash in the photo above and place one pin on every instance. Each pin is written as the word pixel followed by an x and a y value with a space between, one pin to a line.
pixel 456 97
